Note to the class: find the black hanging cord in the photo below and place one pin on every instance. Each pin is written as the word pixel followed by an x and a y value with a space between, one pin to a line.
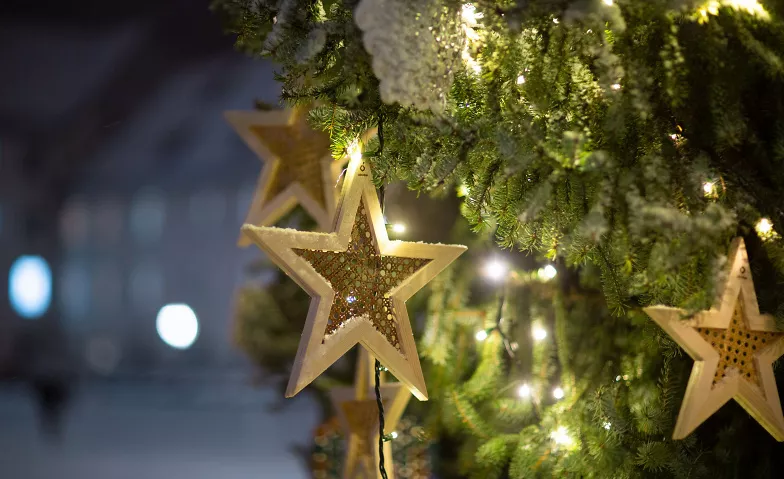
pixel 381 437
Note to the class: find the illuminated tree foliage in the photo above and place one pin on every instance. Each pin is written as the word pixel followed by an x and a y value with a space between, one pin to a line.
pixel 624 141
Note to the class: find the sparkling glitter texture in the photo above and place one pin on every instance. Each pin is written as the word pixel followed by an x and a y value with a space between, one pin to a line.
pixel 301 151
pixel 737 347
pixel 362 279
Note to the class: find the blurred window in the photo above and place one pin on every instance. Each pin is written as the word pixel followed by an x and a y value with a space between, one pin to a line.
pixel 146 287
pixel 207 208
pixel 107 288
pixel 74 222
pixel 108 222
pixel 244 200
pixel 147 217
pixel 75 290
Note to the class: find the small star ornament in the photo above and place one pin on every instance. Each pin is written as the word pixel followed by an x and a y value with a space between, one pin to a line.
pixel 357 411
pixel 733 347
pixel 298 166
pixel 359 282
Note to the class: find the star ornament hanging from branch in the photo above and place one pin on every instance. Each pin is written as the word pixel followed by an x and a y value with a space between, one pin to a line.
pixel 733 347
pixel 298 166
pixel 359 282
pixel 357 412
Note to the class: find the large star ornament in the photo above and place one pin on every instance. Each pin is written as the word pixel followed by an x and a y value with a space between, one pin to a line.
pixel 733 347
pixel 359 282
pixel 357 412
pixel 298 166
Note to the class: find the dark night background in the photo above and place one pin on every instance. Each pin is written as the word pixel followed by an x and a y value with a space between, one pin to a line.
pixel 117 168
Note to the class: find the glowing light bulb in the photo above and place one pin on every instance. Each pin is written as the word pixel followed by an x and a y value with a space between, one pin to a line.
pixel 539 333
pixel 524 391
pixel 469 13
pixel 615 86
pixel 556 21
pixel 393 434
pixel 764 227
pixel 561 437
pixel 558 393
pixel 607 425
pixel 521 79
pixel 481 335
pixel 399 228
pixel 496 270
pixel 609 3
pixel 548 272
pixel 708 188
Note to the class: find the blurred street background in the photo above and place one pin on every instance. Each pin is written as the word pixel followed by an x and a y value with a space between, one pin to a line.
pixel 122 189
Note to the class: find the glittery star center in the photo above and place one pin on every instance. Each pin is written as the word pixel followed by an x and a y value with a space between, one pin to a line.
pixel 362 279
pixel 738 347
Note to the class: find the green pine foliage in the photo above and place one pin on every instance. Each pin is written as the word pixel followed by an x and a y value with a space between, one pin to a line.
pixel 624 141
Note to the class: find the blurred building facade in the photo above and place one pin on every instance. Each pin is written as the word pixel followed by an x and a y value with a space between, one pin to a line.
pixel 117 168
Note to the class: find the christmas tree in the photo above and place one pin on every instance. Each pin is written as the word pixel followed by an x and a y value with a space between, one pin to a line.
pixel 604 153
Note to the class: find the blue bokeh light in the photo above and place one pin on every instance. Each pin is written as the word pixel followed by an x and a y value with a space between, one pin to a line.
pixel 30 286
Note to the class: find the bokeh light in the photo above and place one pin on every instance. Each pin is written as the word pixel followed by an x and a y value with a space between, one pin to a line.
pixel 177 325
pixel 30 286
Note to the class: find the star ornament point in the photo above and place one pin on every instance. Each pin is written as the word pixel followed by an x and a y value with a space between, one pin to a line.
pixel 298 166
pixel 357 412
pixel 359 281
pixel 733 347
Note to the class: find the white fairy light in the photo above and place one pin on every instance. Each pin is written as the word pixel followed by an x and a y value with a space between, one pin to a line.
pixel 524 391
pixel 481 335
pixel 393 434
pixel 709 188
pixel 615 86
pixel 607 425
pixel 521 79
pixel 469 14
pixel 548 272
pixel 558 393
pixel 561 437
pixel 496 270
pixel 539 333
pixel 399 228
pixel 556 21
pixel 609 3
pixel 764 227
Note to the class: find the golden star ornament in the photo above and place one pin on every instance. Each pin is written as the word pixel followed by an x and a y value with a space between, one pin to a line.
pixel 359 282
pixel 298 166
pixel 733 347
pixel 357 411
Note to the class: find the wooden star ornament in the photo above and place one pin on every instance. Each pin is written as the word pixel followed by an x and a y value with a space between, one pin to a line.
pixel 298 166
pixel 357 411
pixel 733 347
pixel 359 282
